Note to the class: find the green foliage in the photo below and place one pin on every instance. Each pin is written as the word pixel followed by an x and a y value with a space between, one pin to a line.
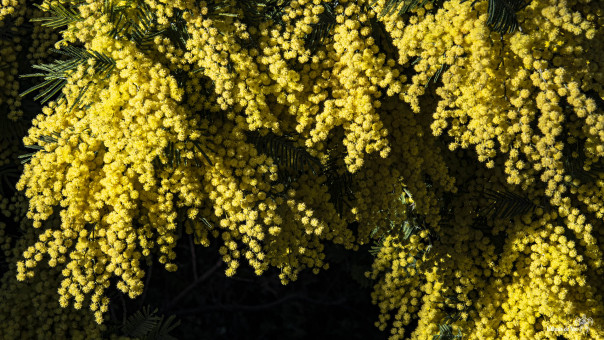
pixel 47 139
pixel 25 158
pixel 339 183
pixel 382 38
pixel 285 154
pixel 61 16
pixel 453 313
pixel 446 333
pixel 141 30
pixel 410 226
pixel 375 249
pixel 173 156
pixel 574 163
pixel 400 6
pixel 405 230
pixel 139 324
pixel 220 9
pixel 502 14
pixel 434 78
pixel 506 205
pixel 293 161
pixel 322 30
pixel 57 73
pixel 177 30
pixel 148 325
pixel 257 11
pixel 117 16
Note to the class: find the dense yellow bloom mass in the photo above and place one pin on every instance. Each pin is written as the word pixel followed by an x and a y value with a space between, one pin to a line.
pixel 426 113
pixel 32 311
pixel 521 104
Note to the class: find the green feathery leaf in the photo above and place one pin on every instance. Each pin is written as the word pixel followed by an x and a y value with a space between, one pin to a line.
pixel 339 185
pixel 177 30
pixel 144 29
pixel 25 158
pixel 400 6
pixel 61 16
pixel 292 161
pixel 133 20
pixel 163 328
pixel 574 163
pixel 173 156
pixel 284 152
pixel 502 14
pixel 436 75
pixel 507 205
pixel 218 10
pixel 446 333
pixel 258 11
pixel 147 325
pixel 56 74
pixel 140 324
pixel 321 31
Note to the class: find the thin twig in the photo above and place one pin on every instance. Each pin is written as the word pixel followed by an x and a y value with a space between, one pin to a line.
pixel 231 307
pixel 124 307
pixel 192 285
pixel 112 311
pixel 253 308
pixel 146 288
pixel 194 257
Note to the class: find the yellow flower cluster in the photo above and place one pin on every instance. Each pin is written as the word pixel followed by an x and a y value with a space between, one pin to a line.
pixel 531 282
pixel 162 144
pixel 260 80
pixel 101 172
pixel 30 310
pixel 9 7
pixel 511 98
pixel 521 104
